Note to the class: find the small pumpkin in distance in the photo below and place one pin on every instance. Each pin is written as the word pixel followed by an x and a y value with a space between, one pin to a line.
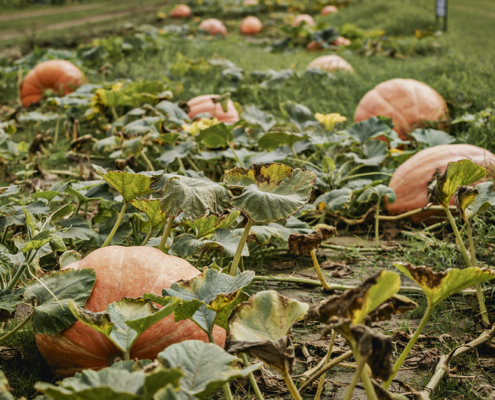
pixel 251 26
pixel 181 11
pixel 204 104
pixel 122 272
pixel 328 10
pixel 213 27
pixel 60 76
pixel 303 18
pixel 341 41
pixel 410 180
pixel 407 101
pixel 247 3
pixel 331 63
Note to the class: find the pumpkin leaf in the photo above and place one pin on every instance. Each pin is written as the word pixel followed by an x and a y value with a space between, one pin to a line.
pixel 219 135
pixel 261 327
pixel 10 299
pixel 206 226
pixel 254 116
pixel 151 207
pixel 270 141
pixel 301 116
pixel 113 383
pixel 271 192
pixel 206 367
pixel 440 285
pixel 374 152
pixel 362 131
pixel 42 238
pixel 171 153
pixel 432 137
pixel 194 197
pixel 9 190
pixel 472 201
pixel 229 241
pixel 334 201
pixel 207 288
pixel 459 173
pixel 128 184
pixel 51 313
pixel 377 192
pixel 261 234
pixel 300 243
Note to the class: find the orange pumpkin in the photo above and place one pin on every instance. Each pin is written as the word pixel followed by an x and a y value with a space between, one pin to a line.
pixel 341 41
pixel 204 104
pixel 314 47
pixel 330 64
pixel 251 26
pixel 213 27
pixel 61 76
pixel 411 179
pixel 122 272
pixel 303 17
pixel 408 102
pixel 181 11
pixel 328 10
pixel 247 3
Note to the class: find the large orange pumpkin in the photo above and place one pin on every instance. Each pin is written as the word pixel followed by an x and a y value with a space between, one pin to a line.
pixel 330 64
pixel 411 179
pixel 204 104
pixel 251 26
pixel 408 102
pixel 328 10
pixel 181 11
pixel 303 17
pixel 213 27
pixel 61 76
pixel 122 272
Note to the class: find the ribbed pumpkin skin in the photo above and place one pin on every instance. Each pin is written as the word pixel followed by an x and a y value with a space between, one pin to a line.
pixel 327 10
pixel 213 27
pixel 251 26
pixel 205 104
pixel 61 76
pixel 411 179
pixel 122 272
pixel 408 102
pixel 181 11
pixel 330 63
pixel 303 17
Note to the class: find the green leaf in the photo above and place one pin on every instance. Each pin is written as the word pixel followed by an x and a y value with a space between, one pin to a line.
pixel 440 285
pixel 51 314
pixel 69 257
pixel 369 129
pixel 206 367
pixel 261 234
pixel 218 135
pixel 459 173
pixel 271 192
pixel 43 238
pixel 471 201
pixel 128 184
pixel 229 241
pixel 432 137
pixel 374 152
pixel 270 141
pixel 335 200
pixel 10 299
pixel 301 116
pixel 255 116
pixel 261 325
pixel 151 207
pixel 206 226
pixel 171 153
pixel 377 192
pixel 194 197
pixel 9 191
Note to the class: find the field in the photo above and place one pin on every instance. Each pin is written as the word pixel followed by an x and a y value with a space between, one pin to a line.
pixel 267 213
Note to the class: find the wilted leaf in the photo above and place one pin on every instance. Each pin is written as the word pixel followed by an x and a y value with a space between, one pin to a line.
pixel 305 243
pixel 206 226
pixel 471 201
pixel 151 207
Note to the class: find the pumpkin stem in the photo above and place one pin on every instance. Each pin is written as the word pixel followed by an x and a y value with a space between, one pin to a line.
pixel 290 385
pixel 240 247
pixel 166 233
pixel 321 384
pixel 252 379
pixel 116 226
pixel 316 264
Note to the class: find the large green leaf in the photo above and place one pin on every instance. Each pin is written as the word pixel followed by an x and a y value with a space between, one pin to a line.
pixel 171 153
pixel 369 129
pixel 271 192
pixel 439 285
pixel 377 192
pixel 471 201
pixel 432 137
pixel 334 200
pixel 52 294
pixel 206 226
pixel 128 184
pixel 219 135
pixel 261 327
pixel 151 207
pixel 301 116
pixel 270 141
pixel 459 173
pixel 206 367
pixel 374 152
pixel 10 299
pixel 255 116
pixel 194 197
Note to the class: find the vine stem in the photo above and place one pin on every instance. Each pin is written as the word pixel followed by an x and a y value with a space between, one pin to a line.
pixel 235 154
pixel 191 162
pixel 226 388
pixel 147 161
pixel 17 328
pixel 21 270
pixel 377 224
pixel 166 233
pixel 321 384
pixel 368 385
pixel 116 226
pixel 290 385
pixel 409 346
pixel 318 270
pixel 252 379
pixel 355 379
pixel 457 234
pixel 240 246
pixel 148 236
pixel 181 164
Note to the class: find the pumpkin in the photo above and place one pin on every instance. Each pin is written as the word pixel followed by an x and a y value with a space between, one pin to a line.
pixel 328 10
pixel 314 47
pixel 411 179
pixel 122 272
pixel 408 102
pixel 181 11
pixel 330 64
pixel 341 41
pixel 303 17
pixel 247 3
pixel 61 76
pixel 213 27
pixel 251 26
pixel 204 104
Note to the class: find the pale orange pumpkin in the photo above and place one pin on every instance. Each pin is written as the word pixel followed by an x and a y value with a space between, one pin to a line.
pixel 181 11
pixel 60 76
pixel 341 41
pixel 408 102
pixel 213 27
pixel 122 272
pixel 251 26
pixel 204 104
pixel 330 64
pixel 410 180
pixel 328 10
pixel 314 47
pixel 303 17
pixel 247 3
